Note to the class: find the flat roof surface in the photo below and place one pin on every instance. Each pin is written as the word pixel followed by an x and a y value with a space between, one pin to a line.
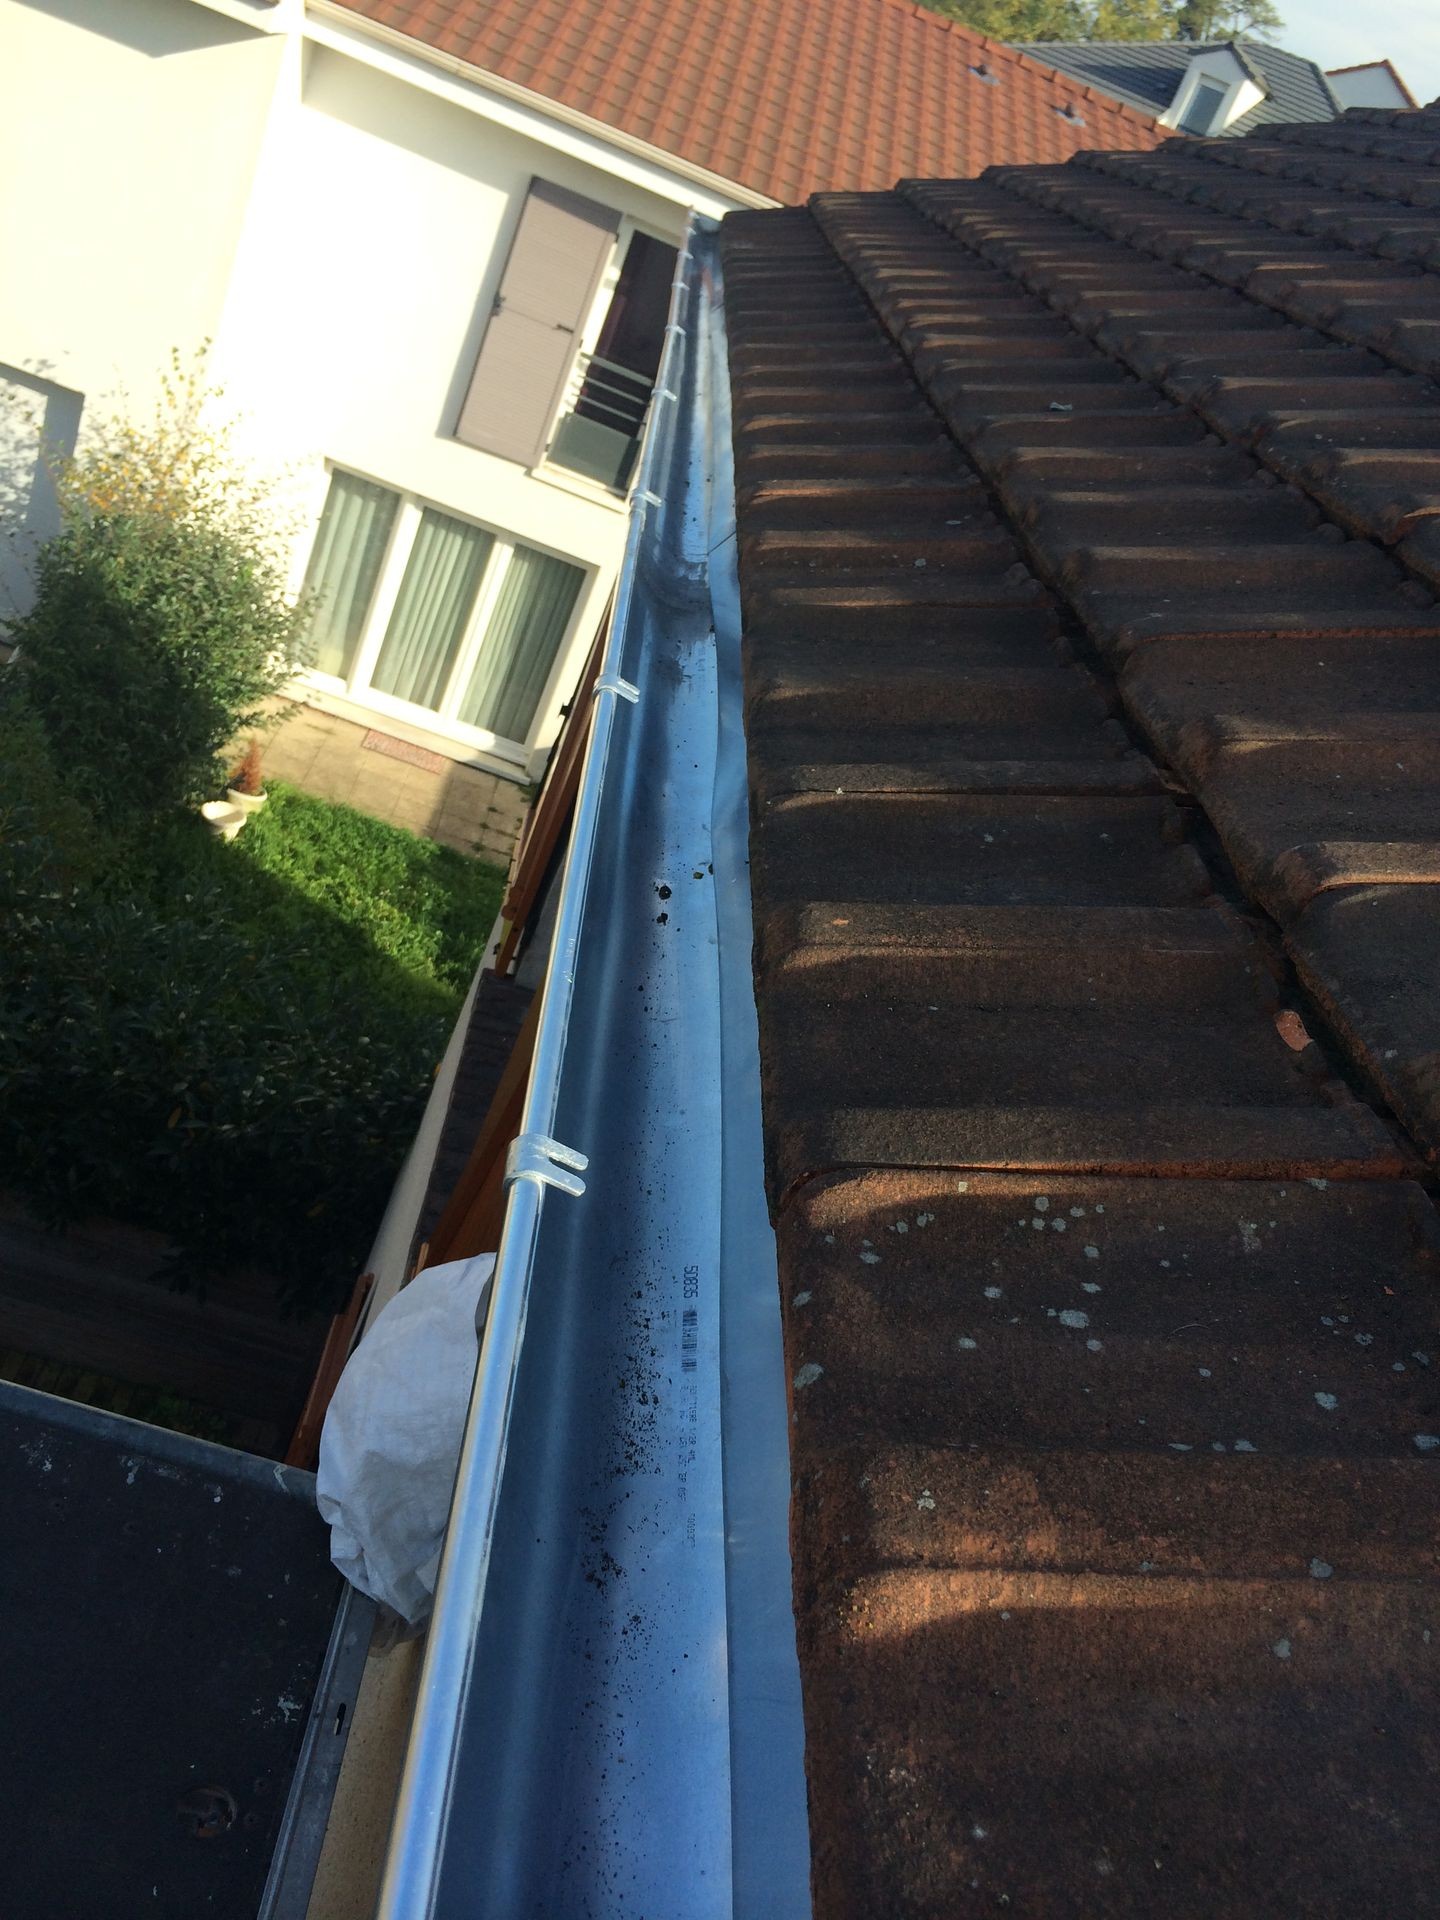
pixel 166 1606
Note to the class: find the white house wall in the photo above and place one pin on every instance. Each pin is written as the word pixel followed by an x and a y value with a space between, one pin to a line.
pixel 333 210
pixel 375 240
pixel 129 132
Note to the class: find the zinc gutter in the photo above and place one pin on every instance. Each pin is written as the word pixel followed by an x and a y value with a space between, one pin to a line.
pixel 584 1725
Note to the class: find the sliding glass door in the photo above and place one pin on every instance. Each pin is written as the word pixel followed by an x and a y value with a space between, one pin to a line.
pixel 345 565
pixel 432 610
pixel 422 613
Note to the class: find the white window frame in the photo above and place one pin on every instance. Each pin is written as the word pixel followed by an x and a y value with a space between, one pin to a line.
pixel 444 719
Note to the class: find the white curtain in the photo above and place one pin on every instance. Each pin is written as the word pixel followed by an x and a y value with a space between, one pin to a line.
pixel 521 641
pixel 344 566
pixel 432 609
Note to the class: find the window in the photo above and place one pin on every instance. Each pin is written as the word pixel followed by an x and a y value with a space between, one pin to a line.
pixel 1205 104
pixel 418 610
pixel 599 434
pixel 432 609
pixel 344 566
pixel 534 363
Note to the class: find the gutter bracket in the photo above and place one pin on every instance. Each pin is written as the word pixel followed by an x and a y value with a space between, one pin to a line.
pixel 536 1157
pixel 612 683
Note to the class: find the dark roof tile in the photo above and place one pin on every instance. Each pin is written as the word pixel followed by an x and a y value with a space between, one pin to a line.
pixel 979 958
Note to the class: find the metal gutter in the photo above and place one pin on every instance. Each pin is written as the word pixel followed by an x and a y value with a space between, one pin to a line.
pixel 609 1715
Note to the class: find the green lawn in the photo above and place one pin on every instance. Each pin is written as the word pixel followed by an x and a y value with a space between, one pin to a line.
pixel 362 897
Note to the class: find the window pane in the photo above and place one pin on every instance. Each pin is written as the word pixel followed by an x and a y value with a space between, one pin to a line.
pixel 344 566
pixel 432 609
pixel 521 641
pixel 1204 105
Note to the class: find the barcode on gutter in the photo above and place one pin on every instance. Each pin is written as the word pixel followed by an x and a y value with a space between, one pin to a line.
pixel 689 1339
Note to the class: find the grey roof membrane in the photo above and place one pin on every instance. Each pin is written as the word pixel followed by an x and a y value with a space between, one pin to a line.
pixel 1146 74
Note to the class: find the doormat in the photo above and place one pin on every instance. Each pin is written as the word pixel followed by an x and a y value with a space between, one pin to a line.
pixel 402 750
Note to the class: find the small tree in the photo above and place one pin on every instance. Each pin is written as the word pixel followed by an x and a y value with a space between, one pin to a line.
pixel 161 624
pixel 1227 19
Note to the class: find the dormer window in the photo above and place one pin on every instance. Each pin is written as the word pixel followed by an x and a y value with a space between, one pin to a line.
pixel 1204 108
pixel 1219 87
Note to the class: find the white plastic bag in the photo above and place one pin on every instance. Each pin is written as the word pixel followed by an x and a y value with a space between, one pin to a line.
pixel 391 1439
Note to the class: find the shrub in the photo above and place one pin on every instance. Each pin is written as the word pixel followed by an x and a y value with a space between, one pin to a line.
pixel 232 1044
pixel 161 625
pixel 184 1071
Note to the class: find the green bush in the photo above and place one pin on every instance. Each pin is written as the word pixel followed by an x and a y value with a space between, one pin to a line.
pixel 181 1070
pixel 230 1043
pixel 161 625
pixel 149 645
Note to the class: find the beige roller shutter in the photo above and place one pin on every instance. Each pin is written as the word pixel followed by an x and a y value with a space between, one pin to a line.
pixel 556 259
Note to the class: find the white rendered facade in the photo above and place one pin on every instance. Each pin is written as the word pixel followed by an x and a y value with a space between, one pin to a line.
pixel 332 208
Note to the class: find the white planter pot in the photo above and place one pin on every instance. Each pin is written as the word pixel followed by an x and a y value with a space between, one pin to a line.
pixel 246 802
pixel 222 818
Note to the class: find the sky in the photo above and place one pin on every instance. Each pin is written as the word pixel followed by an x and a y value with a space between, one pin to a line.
pixel 1342 33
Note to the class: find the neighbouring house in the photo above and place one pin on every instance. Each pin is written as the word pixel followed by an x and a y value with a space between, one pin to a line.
pixel 1374 83
pixel 433 246
pixel 1214 88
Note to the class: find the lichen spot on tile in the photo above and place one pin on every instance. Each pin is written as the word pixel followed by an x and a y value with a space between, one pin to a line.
pixel 1281 1649
pixel 808 1375
pixel 1320 1569
pixel 1245 1446
pixel 1427 1442
pixel 802 1299
pixel 994 1293
pixel 1094 1346
pixel 870 1257
pixel 966 1344
pixel 1326 1400
pixel 1092 1253
pixel 1249 1235
pixel 1074 1317
pixel 1090 1286
pixel 926 1502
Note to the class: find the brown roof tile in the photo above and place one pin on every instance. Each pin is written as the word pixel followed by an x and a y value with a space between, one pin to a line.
pixel 1110 1307
pixel 783 96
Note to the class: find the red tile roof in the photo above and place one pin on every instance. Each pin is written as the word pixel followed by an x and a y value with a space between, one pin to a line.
pixel 1088 522
pixel 786 97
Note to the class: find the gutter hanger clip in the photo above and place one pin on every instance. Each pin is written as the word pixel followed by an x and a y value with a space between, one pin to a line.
pixel 612 683
pixel 535 1156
